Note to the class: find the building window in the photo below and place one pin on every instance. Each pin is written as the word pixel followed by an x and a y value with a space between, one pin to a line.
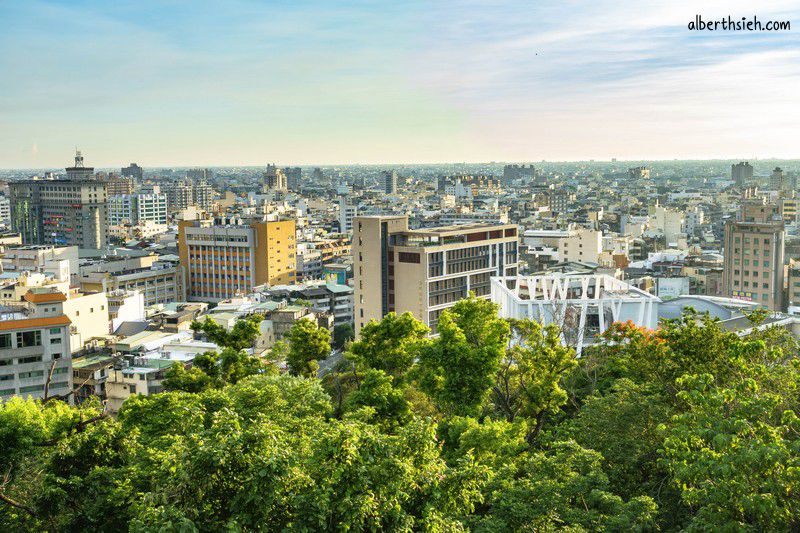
pixel 5 340
pixel 29 338
pixel 408 257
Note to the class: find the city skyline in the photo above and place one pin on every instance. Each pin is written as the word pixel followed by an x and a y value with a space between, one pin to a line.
pixel 405 83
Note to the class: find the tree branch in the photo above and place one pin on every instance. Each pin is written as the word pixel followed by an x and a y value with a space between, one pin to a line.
pixel 49 379
pixel 9 501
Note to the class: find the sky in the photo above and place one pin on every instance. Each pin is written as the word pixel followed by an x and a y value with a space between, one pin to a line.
pixel 174 83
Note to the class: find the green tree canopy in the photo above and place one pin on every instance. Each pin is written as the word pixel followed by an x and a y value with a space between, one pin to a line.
pixel 391 344
pixel 459 367
pixel 308 343
pixel 342 334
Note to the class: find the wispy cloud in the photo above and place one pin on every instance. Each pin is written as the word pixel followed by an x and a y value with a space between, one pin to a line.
pixel 315 81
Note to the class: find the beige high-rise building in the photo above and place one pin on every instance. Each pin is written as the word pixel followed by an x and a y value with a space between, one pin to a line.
pixel 425 271
pixel 225 257
pixel 754 254
pixel 788 204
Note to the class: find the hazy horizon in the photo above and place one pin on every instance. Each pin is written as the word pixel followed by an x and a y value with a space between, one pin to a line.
pixel 622 162
pixel 243 84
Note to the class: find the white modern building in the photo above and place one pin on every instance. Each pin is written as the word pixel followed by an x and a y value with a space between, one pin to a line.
pixel 137 208
pixel 5 211
pixel 347 212
pixel 35 347
pixel 583 305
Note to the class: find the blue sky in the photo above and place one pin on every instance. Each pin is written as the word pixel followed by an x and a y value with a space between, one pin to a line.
pixel 303 82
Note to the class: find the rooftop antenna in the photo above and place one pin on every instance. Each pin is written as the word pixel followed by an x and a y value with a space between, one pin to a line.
pixel 78 158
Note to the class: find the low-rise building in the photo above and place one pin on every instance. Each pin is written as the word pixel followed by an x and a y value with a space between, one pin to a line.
pixel 35 355
pixel 89 375
pixel 159 281
pixel 332 298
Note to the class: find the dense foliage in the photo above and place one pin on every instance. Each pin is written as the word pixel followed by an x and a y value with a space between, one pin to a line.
pixel 493 425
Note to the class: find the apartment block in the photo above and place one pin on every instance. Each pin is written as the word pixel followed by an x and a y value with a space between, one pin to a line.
pixel 754 256
pixel 227 257
pixel 34 336
pixel 275 179
pixel 788 205
pixel 425 271
pixel 137 208
pixel 116 186
pixel 5 211
pixel 581 245
pixel 347 212
pixel 159 282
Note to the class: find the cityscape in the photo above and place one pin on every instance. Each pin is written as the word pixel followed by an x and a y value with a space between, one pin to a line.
pixel 523 344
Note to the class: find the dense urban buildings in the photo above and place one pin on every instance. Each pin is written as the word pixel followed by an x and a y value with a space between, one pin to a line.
pixel 518 172
pixel 343 245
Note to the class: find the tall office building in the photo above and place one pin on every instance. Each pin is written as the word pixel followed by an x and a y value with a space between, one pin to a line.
pixel 741 173
pixel 226 257
pixel 425 271
pixel 754 255
pixel 390 181
pixel 777 180
pixel 293 175
pixel 65 212
pixel 132 171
